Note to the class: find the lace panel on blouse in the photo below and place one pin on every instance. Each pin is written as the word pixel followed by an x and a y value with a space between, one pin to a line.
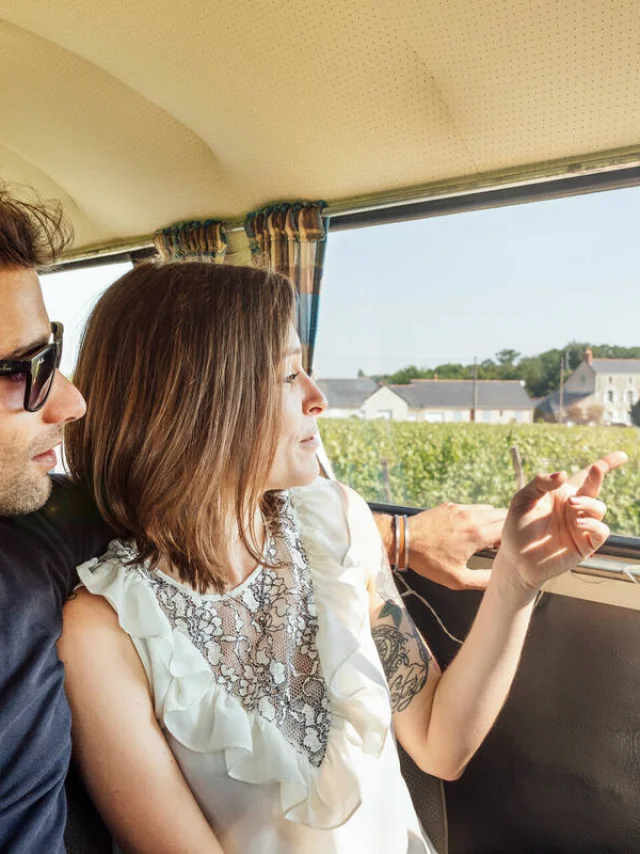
pixel 260 641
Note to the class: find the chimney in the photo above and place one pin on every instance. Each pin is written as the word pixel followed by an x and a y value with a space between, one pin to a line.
pixel 588 356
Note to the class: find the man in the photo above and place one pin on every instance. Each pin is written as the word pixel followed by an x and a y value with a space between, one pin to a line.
pixel 38 550
pixel 40 546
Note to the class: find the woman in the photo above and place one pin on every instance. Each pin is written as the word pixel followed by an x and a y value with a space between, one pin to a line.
pixel 238 660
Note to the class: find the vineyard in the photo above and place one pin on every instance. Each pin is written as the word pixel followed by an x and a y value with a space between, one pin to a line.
pixel 425 464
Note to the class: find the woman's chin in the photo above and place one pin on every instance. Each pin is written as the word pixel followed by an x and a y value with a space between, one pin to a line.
pixel 291 480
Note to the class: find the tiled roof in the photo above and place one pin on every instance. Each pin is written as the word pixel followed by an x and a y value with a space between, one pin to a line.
pixel 347 393
pixel 616 366
pixel 448 394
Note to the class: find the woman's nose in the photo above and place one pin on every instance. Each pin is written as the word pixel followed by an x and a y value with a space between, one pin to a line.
pixel 315 402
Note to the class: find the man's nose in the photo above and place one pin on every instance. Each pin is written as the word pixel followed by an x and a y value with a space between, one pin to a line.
pixel 65 403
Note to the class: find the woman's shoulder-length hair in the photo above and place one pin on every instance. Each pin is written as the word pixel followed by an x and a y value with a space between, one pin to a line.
pixel 180 366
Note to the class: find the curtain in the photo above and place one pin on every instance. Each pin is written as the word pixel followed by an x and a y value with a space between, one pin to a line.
pixel 291 239
pixel 199 241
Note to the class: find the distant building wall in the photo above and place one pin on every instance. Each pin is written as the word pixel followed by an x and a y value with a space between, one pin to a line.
pixel 617 393
pixel 582 380
pixel 385 403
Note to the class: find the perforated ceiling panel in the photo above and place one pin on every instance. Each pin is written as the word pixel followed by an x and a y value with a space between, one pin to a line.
pixel 141 114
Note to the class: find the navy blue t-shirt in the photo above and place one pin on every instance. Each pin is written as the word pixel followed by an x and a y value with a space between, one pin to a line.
pixel 38 556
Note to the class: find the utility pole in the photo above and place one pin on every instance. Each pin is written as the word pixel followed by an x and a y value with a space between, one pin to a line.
pixel 561 407
pixel 474 409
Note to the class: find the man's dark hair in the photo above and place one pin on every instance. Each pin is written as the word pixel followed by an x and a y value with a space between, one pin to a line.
pixel 32 234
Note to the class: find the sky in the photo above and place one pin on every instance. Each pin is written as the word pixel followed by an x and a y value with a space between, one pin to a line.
pixel 525 277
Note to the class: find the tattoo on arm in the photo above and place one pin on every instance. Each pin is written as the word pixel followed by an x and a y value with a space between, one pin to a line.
pixel 404 656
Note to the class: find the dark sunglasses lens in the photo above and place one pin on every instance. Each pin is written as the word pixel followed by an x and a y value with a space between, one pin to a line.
pixel 42 379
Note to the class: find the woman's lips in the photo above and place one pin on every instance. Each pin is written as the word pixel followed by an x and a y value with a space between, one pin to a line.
pixel 311 441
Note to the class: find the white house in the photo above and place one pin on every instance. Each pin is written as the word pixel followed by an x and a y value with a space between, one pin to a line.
pixel 346 397
pixel 496 401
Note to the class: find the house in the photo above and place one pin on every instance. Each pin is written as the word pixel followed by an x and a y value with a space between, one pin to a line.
pixel 496 401
pixel 346 397
pixel 604 389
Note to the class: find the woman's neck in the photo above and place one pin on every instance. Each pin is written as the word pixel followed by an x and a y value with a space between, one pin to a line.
pixel 239 563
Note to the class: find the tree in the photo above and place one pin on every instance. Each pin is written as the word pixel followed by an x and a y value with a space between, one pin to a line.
pixel 635 413
pixel 585 415
pixel 577 414
pixel 541 373
pixel 507 357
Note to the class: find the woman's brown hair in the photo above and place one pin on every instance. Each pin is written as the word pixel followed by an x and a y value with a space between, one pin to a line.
pixel 180 365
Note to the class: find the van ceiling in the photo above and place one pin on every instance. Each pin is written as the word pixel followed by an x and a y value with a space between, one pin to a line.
pixel 139 114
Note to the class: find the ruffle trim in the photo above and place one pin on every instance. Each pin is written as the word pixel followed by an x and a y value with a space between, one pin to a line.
pixel 255 751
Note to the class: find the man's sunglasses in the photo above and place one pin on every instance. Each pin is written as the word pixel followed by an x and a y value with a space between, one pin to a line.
pixel 38 370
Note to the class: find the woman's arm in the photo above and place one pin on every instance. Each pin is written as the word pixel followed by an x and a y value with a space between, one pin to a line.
pixel 125 760
pixel 441 720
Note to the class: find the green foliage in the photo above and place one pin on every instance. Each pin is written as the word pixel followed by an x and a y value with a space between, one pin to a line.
pixel 424 464
pixel 541 373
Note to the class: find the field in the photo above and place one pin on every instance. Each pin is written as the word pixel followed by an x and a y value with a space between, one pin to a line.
pixel 425 464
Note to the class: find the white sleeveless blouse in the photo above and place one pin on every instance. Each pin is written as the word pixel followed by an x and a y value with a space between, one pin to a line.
pixel 272 696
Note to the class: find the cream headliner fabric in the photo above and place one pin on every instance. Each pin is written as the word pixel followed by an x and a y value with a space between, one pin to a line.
pixel 138 114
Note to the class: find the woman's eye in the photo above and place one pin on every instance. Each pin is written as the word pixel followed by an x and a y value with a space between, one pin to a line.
pixel 291 378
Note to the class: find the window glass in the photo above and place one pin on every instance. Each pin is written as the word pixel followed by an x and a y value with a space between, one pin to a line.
pixel 69 297
pixel 515 296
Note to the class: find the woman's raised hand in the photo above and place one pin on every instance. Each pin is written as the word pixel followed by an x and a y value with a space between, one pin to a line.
pixel 554 522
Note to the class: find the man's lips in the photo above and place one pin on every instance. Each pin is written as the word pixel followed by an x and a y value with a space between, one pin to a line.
pixel 47 457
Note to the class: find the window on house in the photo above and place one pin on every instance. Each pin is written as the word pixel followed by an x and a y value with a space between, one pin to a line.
pixel 610 396
pixel 382 312
pixel 487 415
pixel 629 397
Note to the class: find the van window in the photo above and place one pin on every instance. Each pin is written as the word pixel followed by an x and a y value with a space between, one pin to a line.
pixel 509 296
pixel 69 296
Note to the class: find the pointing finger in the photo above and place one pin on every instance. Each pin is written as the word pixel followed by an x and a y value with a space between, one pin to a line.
pixel 598 471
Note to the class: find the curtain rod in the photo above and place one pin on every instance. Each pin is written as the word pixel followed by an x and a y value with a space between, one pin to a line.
pixel 545 181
